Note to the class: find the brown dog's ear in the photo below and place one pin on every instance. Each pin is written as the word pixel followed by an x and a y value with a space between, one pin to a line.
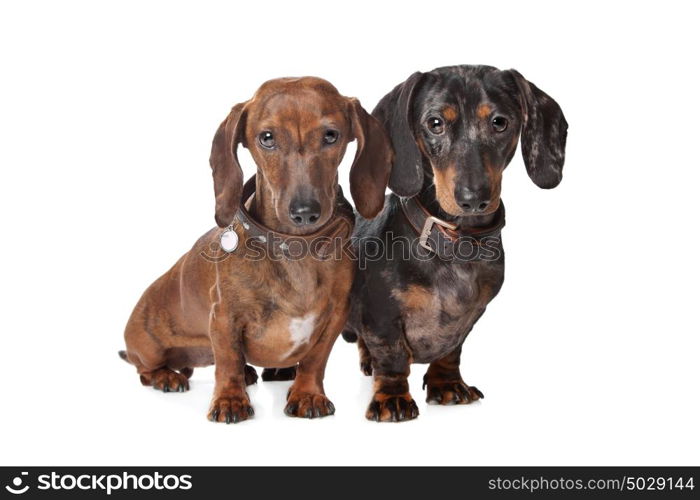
pixel 543 136
pixel 394 113
pixel 227 173
pixel 370 170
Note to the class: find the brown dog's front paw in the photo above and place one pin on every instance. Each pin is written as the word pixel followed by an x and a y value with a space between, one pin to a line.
pixel 166 380
pixel 448 392
pixel 230 409
pixel 279 374
pixel 391 408
pixel 307 405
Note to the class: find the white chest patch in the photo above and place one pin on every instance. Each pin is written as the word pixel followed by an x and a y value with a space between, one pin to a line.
pixel 300 330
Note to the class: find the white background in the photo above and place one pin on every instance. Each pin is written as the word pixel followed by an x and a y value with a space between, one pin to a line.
pixel 107 111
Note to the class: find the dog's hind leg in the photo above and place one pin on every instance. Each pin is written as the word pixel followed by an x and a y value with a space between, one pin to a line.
pixel 365 358
pixel 251 376
pixel 349 335
pixel 146 350
pixel 279 374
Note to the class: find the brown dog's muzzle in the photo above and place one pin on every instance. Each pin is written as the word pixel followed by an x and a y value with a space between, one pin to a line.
pixel 306 194
pixel 304 210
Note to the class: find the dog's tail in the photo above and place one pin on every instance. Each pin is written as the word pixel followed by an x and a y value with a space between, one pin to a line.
pixel 349 336
pixel 122 354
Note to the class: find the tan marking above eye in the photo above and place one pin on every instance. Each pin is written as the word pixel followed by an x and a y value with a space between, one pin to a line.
pixel 449 113
pixel 483 111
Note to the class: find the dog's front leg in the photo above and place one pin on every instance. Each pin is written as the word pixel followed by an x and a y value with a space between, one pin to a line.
pixel 306 398
pixel 230 402
pixel 391 364
pixel 444 382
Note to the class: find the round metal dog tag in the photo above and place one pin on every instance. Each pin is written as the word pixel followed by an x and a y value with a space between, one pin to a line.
pixel 228 240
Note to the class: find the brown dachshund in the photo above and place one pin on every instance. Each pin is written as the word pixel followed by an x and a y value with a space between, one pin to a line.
pixel 262 303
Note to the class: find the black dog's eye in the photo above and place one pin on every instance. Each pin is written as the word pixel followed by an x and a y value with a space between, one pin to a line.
pixel 267 140
pixel 499 123
pixel 436 125
pixel 330 136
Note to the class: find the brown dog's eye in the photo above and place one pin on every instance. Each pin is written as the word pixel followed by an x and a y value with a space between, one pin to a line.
pixel 499 123
pixel 330 136
pixel 267 140
pixel 436 125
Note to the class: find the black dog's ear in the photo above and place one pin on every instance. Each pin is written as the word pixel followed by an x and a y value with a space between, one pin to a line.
pixel 227 173
pixel 370 170
pixel 543 136
pixel 394 113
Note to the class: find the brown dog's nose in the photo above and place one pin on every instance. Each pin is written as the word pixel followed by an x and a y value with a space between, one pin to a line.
pixel 472 201
pixel 304 212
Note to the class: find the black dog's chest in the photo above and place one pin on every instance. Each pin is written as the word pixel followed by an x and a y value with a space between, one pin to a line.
pixel 437 317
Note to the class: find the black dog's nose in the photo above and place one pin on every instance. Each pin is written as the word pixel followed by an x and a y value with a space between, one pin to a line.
pixel 305 212
pixel 472 201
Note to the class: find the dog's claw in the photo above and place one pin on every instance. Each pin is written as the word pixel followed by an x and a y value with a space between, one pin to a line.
pixel 291 409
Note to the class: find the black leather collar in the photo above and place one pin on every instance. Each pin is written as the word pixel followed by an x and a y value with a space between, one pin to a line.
pixel 445 238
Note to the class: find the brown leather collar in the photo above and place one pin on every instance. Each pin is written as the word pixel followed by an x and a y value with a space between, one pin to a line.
pixel 321 242
pixel 442 237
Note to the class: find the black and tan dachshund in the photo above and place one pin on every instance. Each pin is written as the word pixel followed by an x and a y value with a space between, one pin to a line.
pixel 433 259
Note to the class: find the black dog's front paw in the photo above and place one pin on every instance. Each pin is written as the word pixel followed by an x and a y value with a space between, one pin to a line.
pixel 449 392
pixel 390 408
